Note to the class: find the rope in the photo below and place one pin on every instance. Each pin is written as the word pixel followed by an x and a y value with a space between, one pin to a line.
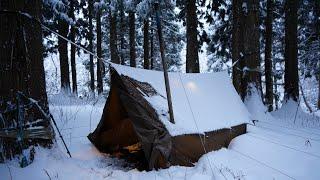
pixel 196 124
pixel 289 128
pixel 52 31
pixel 270 129
pixel 286 146
pixel 170 176
pixel 262 163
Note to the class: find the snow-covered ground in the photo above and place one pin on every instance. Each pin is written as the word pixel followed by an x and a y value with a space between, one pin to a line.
pixel 275 148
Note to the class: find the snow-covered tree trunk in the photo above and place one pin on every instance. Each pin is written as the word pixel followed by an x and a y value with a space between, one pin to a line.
pixel 236 51
pixel 317 12
pixel 113 38
pixel 99 53
pixel 90 38
pixel 319 89
pixel 152 58
pixel 251 53
pixel 291 77
pixel 192 59
pixel 63 29
pixel 73 48
pixel 268 61
pixel 146 64
pixel 276 97
pixel 132 38
pixel 122 32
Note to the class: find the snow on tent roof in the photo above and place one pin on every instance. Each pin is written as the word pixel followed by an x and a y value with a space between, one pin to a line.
pixel 214 103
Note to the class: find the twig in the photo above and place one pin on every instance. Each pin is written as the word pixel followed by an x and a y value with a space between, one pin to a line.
pixel 9 172
pixel 47 173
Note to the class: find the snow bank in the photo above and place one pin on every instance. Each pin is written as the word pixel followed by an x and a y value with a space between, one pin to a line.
pixel 290 112
pixel 256 108
pixel 210 98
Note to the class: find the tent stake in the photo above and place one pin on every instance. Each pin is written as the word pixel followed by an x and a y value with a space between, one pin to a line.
pixel 164 63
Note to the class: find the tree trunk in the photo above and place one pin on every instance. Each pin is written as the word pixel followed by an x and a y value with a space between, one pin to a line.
pixel 122 32
pixel 236 57
pixel 276 98
pixel 268 61
pixel 317 12
pixel 91 65
pixel 291 78
pixel 21 66
pixel 99 54
pixel 251 52
pixel 73 50
pixel 319 88
pixel 132 38
pixel 63 29
pixel 192 59
pixel 146 44
pixel 113 38
pixel 151 47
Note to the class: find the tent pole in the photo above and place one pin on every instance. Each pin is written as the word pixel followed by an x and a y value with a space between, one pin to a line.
pixel 164 63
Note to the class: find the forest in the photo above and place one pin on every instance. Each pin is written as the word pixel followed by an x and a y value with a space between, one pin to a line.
pixel 163 89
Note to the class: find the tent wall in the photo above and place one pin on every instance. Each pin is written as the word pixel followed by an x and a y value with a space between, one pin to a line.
pixel 115 129
pixel 153 135
pixel 125 103
pixel 187 149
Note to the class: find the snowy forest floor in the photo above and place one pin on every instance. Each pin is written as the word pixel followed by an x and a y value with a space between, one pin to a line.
pixel 282 145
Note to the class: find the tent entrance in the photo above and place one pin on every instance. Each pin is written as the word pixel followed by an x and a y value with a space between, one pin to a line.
pixel 134 155
pixel 122 142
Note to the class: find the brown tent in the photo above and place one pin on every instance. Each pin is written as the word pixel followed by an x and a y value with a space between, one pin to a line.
pixel 135 116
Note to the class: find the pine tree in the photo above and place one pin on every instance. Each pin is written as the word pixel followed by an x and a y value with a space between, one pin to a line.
pixel 146 42
pixel 268 50
pixel 100 65
pixel 63 29
pixel 151 48
pixel 192 59
pixel 122 32
pixel 73 48
pixel 251 49
pixel 291 87
pixel 21 69
pixel 278 50
pixel 317 22
pixel 236 40
pixel 90 38
pixel 113 38
pixel 132 38
pixel 171 35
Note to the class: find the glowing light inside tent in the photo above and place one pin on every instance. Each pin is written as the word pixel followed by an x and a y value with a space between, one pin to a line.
pixel 192 86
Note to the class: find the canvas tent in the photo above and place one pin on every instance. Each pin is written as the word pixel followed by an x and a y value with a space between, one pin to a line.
pixel 136 115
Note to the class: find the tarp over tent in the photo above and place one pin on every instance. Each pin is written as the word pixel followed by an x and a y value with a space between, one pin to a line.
pixel 136 113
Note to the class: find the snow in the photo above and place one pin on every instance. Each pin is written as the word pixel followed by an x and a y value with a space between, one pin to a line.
pixel 273 149
pixel 193 95
pixel 290 112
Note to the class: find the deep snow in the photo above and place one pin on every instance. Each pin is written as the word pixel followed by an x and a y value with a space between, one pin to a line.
pixel 273 149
